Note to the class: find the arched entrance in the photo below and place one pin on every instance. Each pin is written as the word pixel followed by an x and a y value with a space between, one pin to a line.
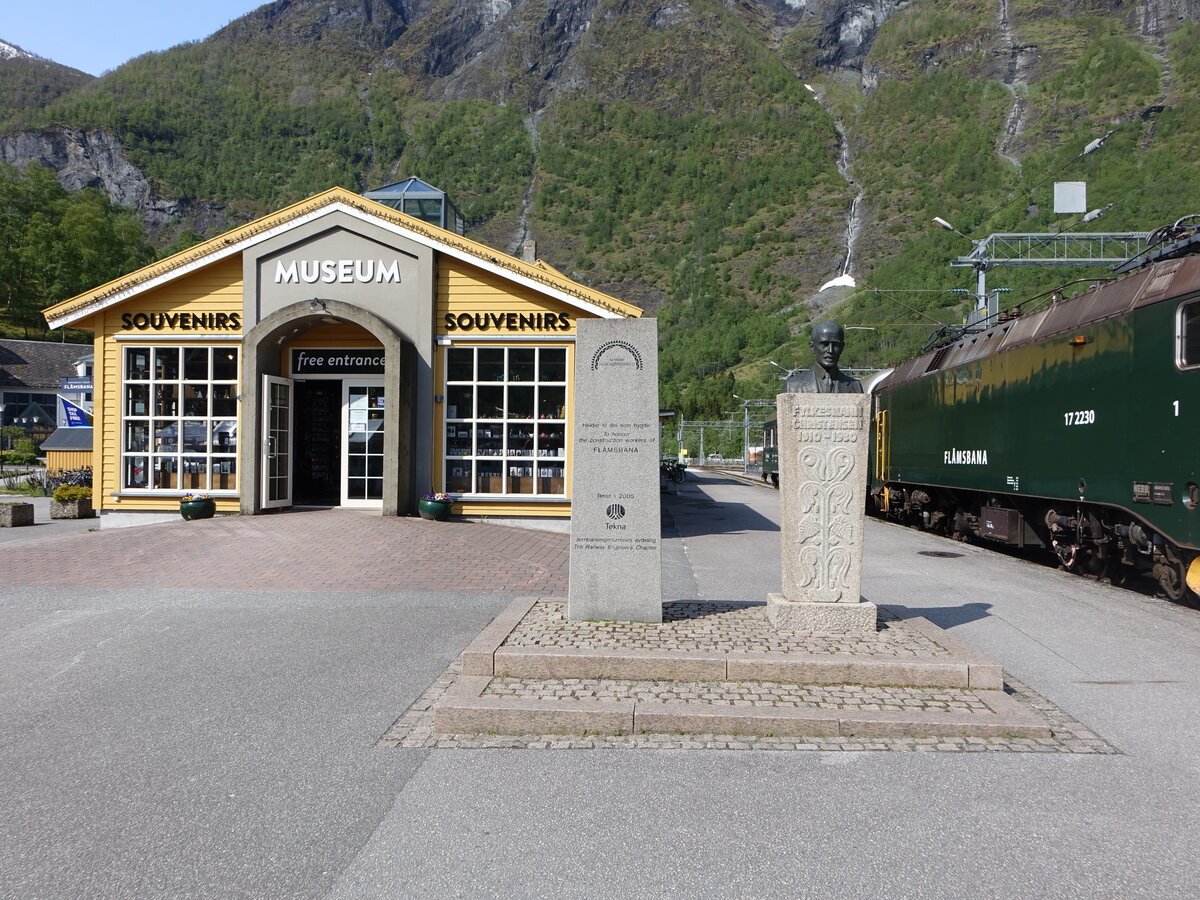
pixel 369 401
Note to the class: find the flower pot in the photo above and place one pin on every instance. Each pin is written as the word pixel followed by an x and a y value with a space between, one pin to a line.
pixel 437 510
pixel 198 509
pixel 71 509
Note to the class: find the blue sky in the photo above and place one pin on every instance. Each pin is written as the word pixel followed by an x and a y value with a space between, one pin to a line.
pixel 97 35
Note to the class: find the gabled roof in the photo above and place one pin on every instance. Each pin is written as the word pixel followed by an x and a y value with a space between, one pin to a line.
pixel 537 276
pixel 38 365
pixel 78 438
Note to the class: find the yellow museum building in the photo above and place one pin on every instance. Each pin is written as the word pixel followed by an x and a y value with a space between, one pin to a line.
pixel 339 352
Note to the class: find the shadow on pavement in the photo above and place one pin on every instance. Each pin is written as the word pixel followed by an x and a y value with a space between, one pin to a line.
pixel 700 514
pixel 694 610
pixel 943 616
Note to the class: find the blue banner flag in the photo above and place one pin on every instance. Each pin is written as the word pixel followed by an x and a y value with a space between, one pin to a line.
pixel 77 417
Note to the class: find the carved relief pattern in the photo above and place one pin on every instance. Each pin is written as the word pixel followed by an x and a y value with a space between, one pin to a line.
pixel 830 523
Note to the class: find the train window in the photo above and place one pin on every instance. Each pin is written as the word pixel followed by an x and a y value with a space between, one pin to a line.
pixel 1189 335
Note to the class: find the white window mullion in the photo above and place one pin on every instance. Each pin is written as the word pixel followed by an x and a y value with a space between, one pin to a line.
pixel 185 405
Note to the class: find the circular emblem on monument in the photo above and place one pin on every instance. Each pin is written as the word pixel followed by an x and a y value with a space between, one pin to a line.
pixel 615 511
pixel 617 359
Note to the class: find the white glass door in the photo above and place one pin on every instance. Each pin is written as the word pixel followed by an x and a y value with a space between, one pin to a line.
pixel 362 459
pixel 277 442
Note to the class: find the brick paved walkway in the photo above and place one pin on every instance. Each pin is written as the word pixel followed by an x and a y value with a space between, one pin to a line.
pixel 319 550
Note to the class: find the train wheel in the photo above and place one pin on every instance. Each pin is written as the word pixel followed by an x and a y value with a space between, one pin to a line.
pixel 1111 571
pixel 1172 573
pixel 1171 580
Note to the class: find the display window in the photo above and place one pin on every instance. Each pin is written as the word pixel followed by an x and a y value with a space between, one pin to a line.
pixel 179 419
pixel 506 421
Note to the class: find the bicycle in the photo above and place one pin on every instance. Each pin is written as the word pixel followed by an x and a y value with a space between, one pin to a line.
pixel 675 472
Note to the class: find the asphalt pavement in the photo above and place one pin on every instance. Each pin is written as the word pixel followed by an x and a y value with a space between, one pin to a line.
pixel 220 742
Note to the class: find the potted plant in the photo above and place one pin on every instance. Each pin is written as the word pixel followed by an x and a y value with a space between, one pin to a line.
pixel 71 501
pixel 197 506
pixel 14 514
pixel 435 506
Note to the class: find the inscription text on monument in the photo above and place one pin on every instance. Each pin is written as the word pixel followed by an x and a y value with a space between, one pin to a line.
pixel 822 474
pixel 616 560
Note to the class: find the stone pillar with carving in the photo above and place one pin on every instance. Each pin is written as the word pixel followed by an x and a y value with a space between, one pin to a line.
pixel 822 488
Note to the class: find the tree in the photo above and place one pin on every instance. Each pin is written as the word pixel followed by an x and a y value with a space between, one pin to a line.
pixel 54 245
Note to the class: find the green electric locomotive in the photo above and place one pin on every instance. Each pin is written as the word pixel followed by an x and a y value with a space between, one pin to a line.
pixel 1075 428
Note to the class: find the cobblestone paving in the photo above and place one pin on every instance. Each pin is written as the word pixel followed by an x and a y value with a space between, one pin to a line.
pixel 712 627
pixel 311 550
pixel 743 693
pixel 414 729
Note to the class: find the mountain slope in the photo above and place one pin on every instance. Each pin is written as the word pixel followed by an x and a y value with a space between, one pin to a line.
pixel 30 82
pixel 716 162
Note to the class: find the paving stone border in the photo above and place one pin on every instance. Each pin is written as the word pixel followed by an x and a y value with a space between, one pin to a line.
pixel 608 706
pixel 415 730
pixel 532 638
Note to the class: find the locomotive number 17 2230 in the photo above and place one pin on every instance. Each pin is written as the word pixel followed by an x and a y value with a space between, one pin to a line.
pixel 1080 417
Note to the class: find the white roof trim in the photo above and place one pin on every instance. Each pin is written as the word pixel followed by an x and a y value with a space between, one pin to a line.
pixel 336 206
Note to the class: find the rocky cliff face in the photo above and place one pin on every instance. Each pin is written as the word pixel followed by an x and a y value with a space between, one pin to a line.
pixel 500 50
pixel 526 49
pixel 528 55
pixel 504 51
pixel 370 24
pixel 848 27
pixel 1156 18
pixel 95 159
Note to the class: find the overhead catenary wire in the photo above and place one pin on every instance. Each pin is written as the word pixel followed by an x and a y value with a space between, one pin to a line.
pixel 1018 191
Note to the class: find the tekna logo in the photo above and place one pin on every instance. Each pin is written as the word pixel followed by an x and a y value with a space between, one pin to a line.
pixel 337 271
pixel 626 355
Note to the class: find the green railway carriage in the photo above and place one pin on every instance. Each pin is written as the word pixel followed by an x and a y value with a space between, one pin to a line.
pixel 1076 428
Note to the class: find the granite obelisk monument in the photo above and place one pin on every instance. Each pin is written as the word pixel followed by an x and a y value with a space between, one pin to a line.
pixel 616 554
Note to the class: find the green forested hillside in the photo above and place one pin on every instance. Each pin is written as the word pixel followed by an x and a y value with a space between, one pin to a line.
pixel 697 159
pixel 931 140
pixel 29 83
pixel 54 245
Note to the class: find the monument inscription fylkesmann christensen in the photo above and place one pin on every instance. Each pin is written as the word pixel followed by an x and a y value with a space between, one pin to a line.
pixel 829 529
pixel 822 481
pixel 615 571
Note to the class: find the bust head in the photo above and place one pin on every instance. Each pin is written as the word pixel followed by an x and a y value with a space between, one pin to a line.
pixel 827 343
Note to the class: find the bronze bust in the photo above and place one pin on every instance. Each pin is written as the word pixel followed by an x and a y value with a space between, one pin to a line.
pixel 827 343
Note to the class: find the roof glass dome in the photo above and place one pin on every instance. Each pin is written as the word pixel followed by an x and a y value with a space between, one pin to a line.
pixel 422 201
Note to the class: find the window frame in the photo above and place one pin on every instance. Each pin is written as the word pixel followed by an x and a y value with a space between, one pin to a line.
pixel 548 457
pixel 180 454
pixel 1181 319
